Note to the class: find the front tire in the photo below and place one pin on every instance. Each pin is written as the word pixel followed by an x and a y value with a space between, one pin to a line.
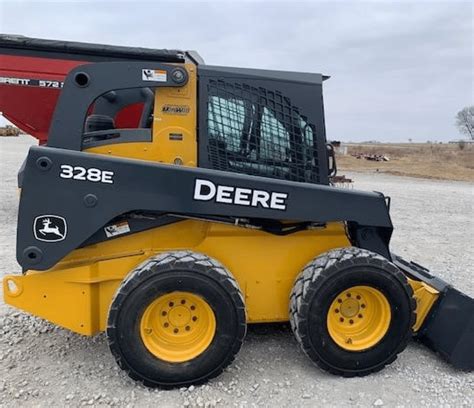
pixel 352 311
pixel 176 320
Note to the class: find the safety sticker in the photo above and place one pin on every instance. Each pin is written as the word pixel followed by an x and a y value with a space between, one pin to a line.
pixel 155 75
pixel 117 229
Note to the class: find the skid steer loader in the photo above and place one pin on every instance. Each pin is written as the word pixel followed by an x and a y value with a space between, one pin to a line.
pixel 214 213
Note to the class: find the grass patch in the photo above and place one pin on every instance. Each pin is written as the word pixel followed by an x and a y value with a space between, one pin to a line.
pixel 425 160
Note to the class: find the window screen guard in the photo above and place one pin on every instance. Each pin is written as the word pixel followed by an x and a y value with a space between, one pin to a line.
pixel 262 127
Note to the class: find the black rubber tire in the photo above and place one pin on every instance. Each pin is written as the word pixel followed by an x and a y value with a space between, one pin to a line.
pixel 165 273
pixel 316 288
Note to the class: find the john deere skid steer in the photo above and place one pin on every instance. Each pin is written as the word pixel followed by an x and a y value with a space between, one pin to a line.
pixel 214 211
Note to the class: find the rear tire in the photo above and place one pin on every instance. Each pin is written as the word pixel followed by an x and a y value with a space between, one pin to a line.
pixel 352 311
pixel 177 319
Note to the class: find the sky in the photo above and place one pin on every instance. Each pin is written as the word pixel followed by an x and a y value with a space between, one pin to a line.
pixel 399 70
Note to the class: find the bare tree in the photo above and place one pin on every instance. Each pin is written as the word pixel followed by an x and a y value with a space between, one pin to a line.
pixel 465 121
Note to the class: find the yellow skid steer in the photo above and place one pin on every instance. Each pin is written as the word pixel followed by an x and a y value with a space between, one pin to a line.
pixel 214 211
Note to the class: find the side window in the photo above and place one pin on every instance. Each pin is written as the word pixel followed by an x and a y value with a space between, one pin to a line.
pixel 308 140
pixel 259 132
pixel 226 118
pixel 274 139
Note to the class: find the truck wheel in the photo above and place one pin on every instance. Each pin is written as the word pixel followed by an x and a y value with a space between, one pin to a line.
pixel 352 311
pixel 177 319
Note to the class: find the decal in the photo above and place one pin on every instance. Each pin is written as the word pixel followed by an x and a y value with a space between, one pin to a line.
pixel 176 136
pixel 155 75
pixel 175 109
pixel 50 228
pixel 91 174
pixel 206 190
pixel 42 83
pixel 117 229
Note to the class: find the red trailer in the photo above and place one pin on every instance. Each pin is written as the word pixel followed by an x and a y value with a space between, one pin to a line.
pixel 32 72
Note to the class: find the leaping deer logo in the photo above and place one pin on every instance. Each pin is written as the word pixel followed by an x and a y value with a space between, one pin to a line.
pixel 47 229
pixel 50 228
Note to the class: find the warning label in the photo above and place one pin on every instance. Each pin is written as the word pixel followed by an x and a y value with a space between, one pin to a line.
pixel 117 229
pixel 155 75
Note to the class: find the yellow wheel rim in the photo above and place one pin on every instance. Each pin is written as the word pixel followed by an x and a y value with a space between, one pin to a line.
pixel 358 318
pixel 177 327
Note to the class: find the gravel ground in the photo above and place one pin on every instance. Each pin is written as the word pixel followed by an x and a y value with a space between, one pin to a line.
pixel 42 365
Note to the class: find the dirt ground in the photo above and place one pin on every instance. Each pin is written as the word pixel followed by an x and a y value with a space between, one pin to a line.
pixel 425 160
pixel 42 365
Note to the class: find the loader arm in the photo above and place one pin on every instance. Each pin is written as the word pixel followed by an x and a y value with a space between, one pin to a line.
pixel 134 185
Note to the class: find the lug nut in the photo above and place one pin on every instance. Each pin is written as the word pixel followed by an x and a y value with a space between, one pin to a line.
pixel 194 318
pixel 176 330
pixel 360 316
pixel 351 321
pixel 166 324
pixel 337 310
pixel 362 306
pixel 341 319
pixel 171 304
pixel 183 302
pixel 163 313
pixel 188 328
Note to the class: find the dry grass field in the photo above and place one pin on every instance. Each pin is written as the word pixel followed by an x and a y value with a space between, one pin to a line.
pixel 425 160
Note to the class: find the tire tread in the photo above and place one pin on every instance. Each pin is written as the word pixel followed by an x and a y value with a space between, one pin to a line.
pixel 198 262
pixel 315 274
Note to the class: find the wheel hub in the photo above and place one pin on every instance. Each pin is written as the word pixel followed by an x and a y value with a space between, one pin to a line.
pixel 178 326
pixel 349 308
pixel 358 318
pixel 179 316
